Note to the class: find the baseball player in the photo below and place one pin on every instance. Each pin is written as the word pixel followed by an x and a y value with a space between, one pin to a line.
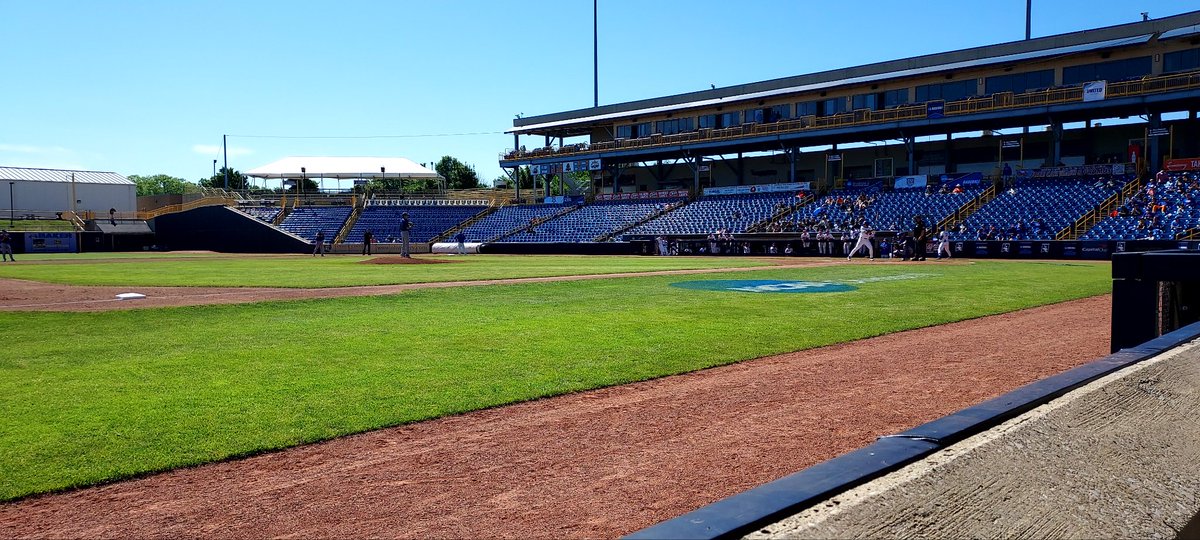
pixel 943 244
pixel 864 240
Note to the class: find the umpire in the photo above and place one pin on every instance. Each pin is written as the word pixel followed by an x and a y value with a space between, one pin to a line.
pixel 920 237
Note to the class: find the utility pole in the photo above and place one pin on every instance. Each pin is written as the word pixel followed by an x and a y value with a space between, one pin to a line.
pixel 1028 17
pixel 225 150
pixel 595 57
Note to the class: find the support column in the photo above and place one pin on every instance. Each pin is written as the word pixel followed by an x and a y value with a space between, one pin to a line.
pixel 791 152
pixel 1154 153
pixel 910 150
pixel 741 170
pixel 1055 155
pixel 951 167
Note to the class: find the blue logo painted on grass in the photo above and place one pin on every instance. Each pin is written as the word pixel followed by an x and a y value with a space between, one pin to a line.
pixel 764 286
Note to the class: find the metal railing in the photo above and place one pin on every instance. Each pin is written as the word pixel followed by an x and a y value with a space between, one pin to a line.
pixel 861 117
pixel 172 208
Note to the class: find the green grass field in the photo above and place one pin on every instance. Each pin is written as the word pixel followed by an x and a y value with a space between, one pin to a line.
pixel 306 271
pixel 93 397
pixel 38 225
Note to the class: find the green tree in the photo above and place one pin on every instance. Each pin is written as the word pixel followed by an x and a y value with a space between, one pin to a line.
pixel 523 176
pixel 162 184
pixel 237 180
pixel 458 175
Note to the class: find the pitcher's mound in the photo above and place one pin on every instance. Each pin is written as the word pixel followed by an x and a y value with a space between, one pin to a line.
pixel 401 260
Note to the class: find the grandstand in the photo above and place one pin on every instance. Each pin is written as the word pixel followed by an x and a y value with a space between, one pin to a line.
pixel 590 223
pixel 264 213
pixel 509 219
pixel 1038 208
pixel 306 221
pixel 710 213
pixel 429 220
pixel 1166 208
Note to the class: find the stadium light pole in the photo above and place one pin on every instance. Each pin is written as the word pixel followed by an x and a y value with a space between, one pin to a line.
pixel 1028 18
pixel 595 57
pixel 303 177
pixel 225 151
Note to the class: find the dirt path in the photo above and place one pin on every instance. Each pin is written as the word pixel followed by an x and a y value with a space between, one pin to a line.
pixel 23 295
pixel 593 464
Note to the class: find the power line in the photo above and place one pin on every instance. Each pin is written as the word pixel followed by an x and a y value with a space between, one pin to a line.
pixel 469 134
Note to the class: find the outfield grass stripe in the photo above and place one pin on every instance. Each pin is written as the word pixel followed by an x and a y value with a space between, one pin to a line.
pixel 90 398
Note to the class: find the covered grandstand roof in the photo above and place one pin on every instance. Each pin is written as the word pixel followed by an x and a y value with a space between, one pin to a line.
pixel 62 175
pixel 572 122
pixel 342 167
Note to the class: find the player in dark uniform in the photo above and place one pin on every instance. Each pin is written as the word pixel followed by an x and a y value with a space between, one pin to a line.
pixel 920 237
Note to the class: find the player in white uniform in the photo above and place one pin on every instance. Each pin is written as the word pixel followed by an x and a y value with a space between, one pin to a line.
pixel 864 240
pixel 943 244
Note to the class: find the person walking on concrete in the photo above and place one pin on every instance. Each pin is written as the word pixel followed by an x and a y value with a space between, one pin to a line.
pixel 405 229
pixel 320 247
pixel 6 246
pixel 368 237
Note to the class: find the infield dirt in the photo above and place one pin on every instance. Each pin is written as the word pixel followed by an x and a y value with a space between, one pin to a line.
pixel 600 463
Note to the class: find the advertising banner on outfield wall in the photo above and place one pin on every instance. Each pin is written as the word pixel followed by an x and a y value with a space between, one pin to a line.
pixel 1186 164
pixel 49 242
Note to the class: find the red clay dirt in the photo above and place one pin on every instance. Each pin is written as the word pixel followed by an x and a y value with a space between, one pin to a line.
pixel 593 464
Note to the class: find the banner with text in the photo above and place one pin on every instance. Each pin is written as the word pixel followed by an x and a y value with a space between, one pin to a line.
pixel 913 181
pixel 1185 164
pixel 1094 91
pixel 637 195
pixel 49 242
pixel 765 188
pixel 1081 170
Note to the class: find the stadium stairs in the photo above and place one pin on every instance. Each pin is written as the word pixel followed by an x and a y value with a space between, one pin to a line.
pixel 763 225
pixel 535 223
pixel 348 226
pixel 669 208
pixel 1090 219
pixel 445 236
pixel 965 211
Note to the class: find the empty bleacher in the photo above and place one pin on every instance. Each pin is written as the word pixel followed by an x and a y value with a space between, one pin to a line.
pixel 709 213
pixel 428 221
pixel 264 213
pixel 591 222
pixel 507 219
pixel 306 221
pixel 1037 209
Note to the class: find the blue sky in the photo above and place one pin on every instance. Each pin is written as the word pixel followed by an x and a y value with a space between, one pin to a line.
pixel 149 86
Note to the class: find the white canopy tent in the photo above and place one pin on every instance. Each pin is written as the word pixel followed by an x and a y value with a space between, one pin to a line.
pixel 342 168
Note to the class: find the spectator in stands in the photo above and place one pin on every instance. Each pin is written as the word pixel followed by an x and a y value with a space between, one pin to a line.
pixel 6 247
pixel 368 238
pixel 320 247
pixel 406 226
pixel 1006 174
pixel 958 189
